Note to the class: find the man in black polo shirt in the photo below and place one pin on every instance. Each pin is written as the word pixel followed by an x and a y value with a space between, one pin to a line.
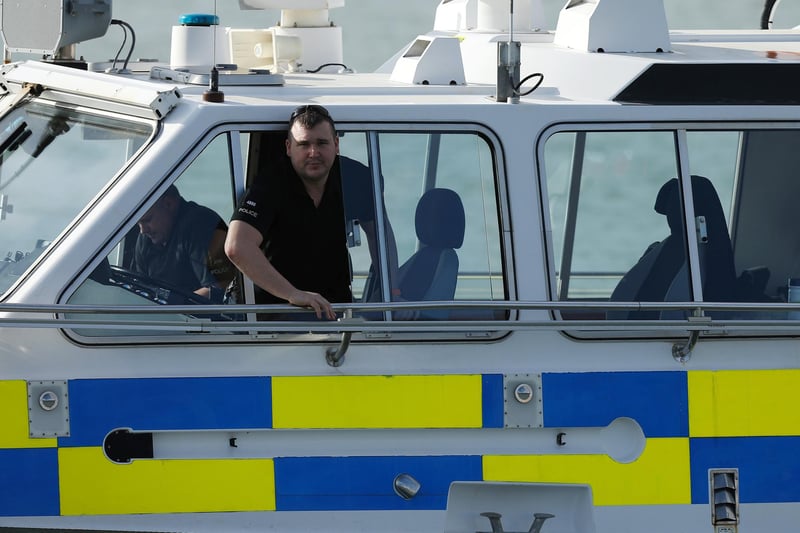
pixel 297 217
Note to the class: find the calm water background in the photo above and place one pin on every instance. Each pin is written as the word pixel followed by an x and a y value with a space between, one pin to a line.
pixel 375 29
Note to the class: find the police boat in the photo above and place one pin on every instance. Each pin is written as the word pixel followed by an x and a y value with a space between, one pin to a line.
pixel 575 276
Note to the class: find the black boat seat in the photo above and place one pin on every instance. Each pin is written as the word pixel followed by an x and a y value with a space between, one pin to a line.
pixel 662 275
pixel 431 273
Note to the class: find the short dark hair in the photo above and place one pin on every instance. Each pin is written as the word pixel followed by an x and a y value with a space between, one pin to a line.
pixel 310 115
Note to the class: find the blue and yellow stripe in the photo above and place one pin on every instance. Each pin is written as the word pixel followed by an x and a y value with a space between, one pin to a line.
pixel 365 483
pixel 30 483
pixel 658 401
pixel 751 420
pixel 369 402
pixel 98 406
pixel 91 484
pixel 692 421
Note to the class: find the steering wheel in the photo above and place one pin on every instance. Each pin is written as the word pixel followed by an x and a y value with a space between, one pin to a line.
pixel 152 289
pixel 155 290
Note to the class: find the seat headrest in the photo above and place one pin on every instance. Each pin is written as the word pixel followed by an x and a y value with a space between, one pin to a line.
pixel 668 203
pixel 718 270
pixel 706 201
pixel 440 219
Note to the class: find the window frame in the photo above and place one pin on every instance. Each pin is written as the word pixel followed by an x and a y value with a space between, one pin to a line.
pixel 681 130
pixel 239 169
pixel 154 127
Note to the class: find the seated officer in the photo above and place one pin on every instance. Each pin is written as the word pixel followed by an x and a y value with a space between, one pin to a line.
pixel 182 243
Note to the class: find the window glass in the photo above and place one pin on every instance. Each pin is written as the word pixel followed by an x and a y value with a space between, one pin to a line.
pixel 715 155
pixel 615 213
pixel 421 185
pixel 431 181
pixel 56 160
pixel 174 251
pixel 755 173
pixel 208 180
pixel 358 194
pixel 713 163
pixel 467 166
pixel 613 194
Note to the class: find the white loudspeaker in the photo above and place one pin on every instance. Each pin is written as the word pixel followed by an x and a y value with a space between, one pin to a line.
pixel 264 50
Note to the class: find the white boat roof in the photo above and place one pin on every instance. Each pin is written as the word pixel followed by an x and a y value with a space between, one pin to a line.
pixel 693 67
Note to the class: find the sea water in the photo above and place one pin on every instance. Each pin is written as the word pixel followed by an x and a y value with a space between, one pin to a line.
pixel 374 30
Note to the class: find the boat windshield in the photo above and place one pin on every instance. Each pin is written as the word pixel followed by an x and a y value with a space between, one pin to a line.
pixel 53 161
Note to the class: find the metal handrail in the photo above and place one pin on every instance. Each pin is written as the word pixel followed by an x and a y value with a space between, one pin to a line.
pixel 19 316
pixel 10 317
pixel 511 305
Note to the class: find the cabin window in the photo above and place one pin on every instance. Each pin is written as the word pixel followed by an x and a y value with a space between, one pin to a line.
pixel 440 235
pixel 422 224
pixel 406 195
pixel 53 160
pixel 622 232
pixel 173 252
pixel 755 173
pixel 602 189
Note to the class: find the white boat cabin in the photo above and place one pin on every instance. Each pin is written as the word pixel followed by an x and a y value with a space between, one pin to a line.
pixel 575 261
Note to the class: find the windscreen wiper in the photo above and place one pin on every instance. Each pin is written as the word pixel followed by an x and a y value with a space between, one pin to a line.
pixel 18 131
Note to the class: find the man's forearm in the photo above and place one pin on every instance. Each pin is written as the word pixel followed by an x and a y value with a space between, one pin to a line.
pixel 258 268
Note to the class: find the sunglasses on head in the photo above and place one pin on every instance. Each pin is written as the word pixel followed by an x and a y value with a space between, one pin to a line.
pixel 303 109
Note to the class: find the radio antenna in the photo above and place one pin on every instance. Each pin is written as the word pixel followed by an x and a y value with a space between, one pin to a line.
pixel 508 63
pixel 510 21
pixel 213 94
pixel 214 38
